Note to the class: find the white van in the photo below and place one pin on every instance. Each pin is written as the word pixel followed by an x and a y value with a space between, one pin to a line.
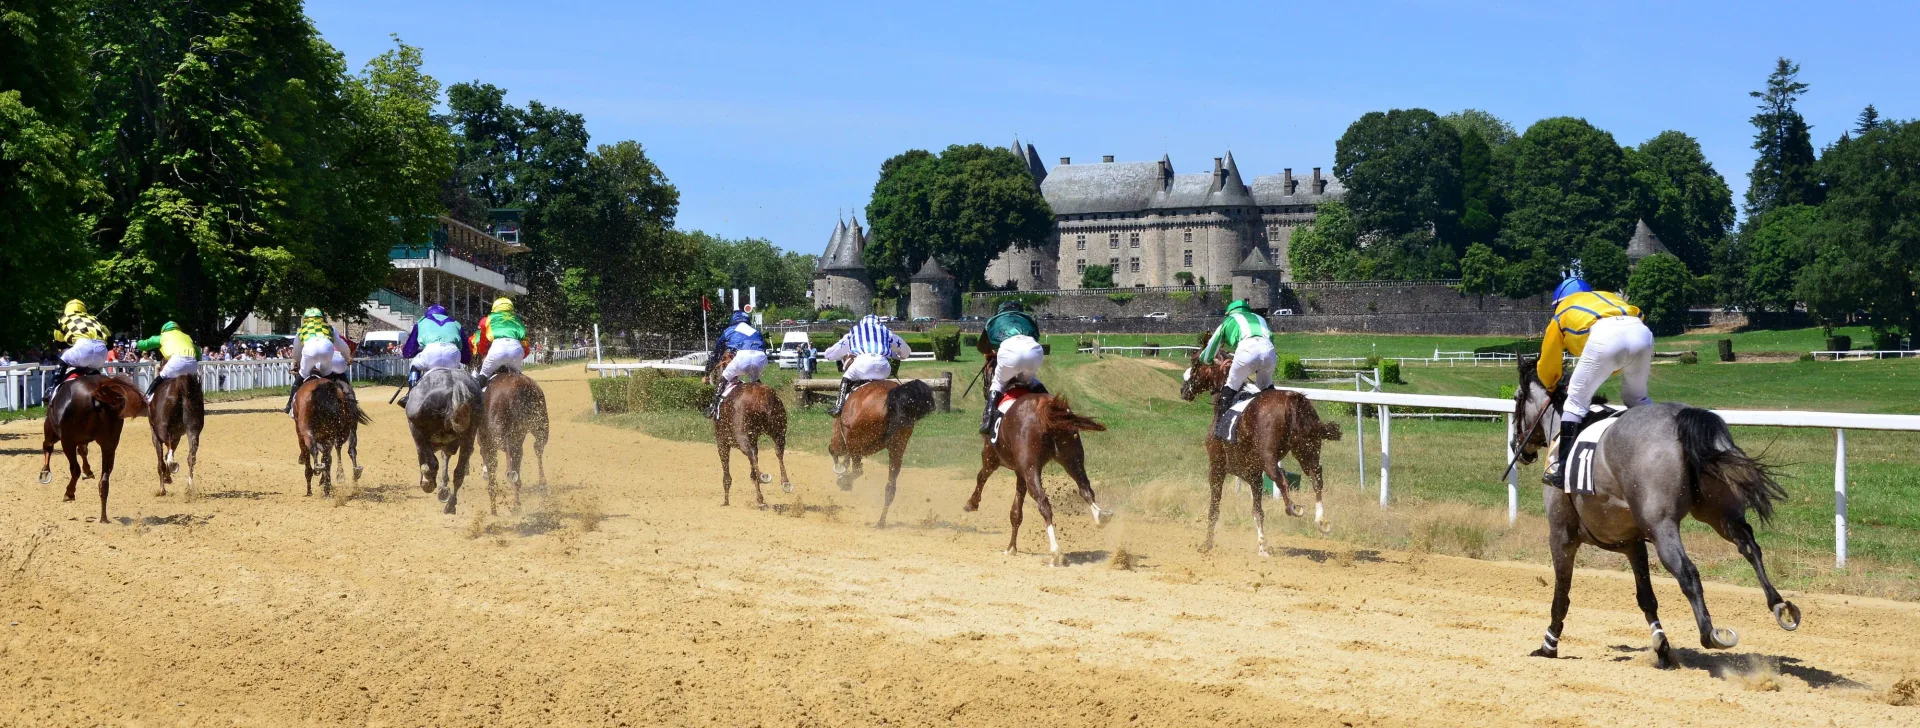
pixel 382 343
pixel 789 354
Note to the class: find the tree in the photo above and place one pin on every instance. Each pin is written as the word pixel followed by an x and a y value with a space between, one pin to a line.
pixel 607 251
pixel 1571 186
pixel 1604 265
pixel 1481 205
pixel 1097 276
pixel 1663 289
pixel 1868 120
pixel 1402 172
pixel 781 277
pixel 1783 174
pixel 1480 270
pixel 1866 249
pixel 1776 250
pixel 43 183
pixel 964 207
pixel 1490 128
pixel 1328 249
pixel 1688 203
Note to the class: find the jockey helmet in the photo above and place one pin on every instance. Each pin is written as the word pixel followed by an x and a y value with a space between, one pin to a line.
pixel 313 313
pixel 502 305
pixel 1569 287
pixel 75 306
pixel 169 326
pixel 739 317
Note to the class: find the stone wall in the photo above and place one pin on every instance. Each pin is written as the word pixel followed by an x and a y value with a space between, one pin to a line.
pixel 1188 303
pixel 1369 307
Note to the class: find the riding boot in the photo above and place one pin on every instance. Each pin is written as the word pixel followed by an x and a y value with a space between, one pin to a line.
pixel 987 417
pixel 153 386
pixel 1556 474
pixel 59 375
pixel 294 390
pixel 846 388
pixel 1035 387
pixel 719 395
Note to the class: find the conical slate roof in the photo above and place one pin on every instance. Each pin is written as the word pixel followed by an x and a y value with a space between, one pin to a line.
pixel 1644 242
pixel 845 248
pixel 932 272
pixel 1256 260
pixel 833 245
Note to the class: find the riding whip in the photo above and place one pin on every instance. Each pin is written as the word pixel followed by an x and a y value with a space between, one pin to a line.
pixel 1538 417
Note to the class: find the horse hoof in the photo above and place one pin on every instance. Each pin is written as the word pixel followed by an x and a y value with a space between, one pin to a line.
pixel 441 494
pixel 1011 551
pixel 1724 639
pixel 839 469
pixel 1296 510
pixel 766 478
pixel 1056 561
pixel 46 476
pixel 1662 653
pixel 1264 553
pixel 173 468
pixel 160 493
pixel 1787 615
pixel 786 487
pixel 1324 525
pixel 1544 652
pixel 357 470
pixel 968 508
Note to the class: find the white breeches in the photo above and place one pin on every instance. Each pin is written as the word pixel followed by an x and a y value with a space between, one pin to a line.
pixel 316 357
pixel 868 367
pixel 180 366
pixel 1253 360
pixel 86 354
pixel 1617 344
pixel 506 354
pixel 1018 360
pixel 437 356
pixel 745 367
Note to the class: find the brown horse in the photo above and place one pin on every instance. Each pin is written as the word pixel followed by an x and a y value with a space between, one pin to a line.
pixel 323 421
pixel 749 411
pixel 1275 423
pixel 92 408
pixel 1038 428
pixel 179 409
pixel 878 416
pixel 514 407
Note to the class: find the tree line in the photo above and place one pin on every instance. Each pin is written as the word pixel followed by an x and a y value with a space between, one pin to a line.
pixel 202 162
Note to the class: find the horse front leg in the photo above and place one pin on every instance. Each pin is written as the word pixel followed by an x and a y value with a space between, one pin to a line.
pixel 989 463
pixel 726 467
pixel 163 456
pixel 353 451
pixel 896 453
pixel 47 442
pixel 1673 555
pixel 1562 543
pixel 1734 528
pixel 193 457
pixel 1649 604
pixel 1045 505
pixel 429 464
pixel 1260 511
pixel 108 446
pixel 460 472
pixel 489 468
pixel 86 466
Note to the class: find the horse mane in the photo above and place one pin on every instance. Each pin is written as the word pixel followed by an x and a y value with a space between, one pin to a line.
pixel 1060 418
pixel 120 395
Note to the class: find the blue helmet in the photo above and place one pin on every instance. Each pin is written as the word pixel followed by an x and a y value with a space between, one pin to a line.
pixel 1569 287
pixel 739 317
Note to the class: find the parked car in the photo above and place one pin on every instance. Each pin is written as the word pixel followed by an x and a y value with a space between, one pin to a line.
pixel 1286 312
pixel 1157 316
pixel 1084 319
pixel 787 322
pixel 922 319
pixel 886 319
pixel 843 321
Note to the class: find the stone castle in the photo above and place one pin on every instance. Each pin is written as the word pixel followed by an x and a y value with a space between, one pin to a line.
pixel 1154 227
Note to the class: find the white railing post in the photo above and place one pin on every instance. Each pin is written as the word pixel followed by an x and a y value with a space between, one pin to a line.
pixel 1513 479
pixel 1360 434
pixel 596 345
pixel 1839 499
pixel 1386 452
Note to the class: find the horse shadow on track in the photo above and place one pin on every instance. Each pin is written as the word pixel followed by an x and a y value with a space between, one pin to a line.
pixel 177 519
pixel 248 411
pixel 241 494
pixel 1725 665
pixel 1321 556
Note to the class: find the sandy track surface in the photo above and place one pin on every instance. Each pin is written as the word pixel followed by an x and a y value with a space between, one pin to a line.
pixel 629 596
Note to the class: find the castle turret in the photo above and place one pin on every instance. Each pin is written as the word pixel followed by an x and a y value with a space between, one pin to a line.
pixel 1255 280
pixel 931 292
pixel 841 281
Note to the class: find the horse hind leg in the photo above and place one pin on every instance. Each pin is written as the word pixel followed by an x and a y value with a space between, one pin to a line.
pixel 726 469
pixel 1673 555
pixel 895 456
pixel 749 443
pixel 779 435
pixel 73 466
pixel 1216 482
pixel 1649 604
pixel 46 457
pixel 1735 528
pixel 1044 505
pixel 163 456
pixel 1017 514
pixel 107 447
pixel 516 455
pixel 1310 467
pixel 1076 467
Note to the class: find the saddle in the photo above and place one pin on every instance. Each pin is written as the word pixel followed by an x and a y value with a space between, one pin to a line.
pixel 1586 445
pixel 1223 429
pixel 1007 398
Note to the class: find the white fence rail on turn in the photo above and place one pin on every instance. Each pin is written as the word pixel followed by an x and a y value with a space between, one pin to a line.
pixel 22 386
pixel 1839 422
pixel 1865 354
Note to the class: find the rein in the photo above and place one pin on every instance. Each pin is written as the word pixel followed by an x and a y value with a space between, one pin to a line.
pixel 1538 417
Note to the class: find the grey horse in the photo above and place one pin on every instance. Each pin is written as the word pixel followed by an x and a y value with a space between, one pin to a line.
pixel 444 414
pixel 1658 464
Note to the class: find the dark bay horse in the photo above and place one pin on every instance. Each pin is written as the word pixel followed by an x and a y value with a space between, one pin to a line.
pixel 752 409
pixel 178 410
pixel 1037 429
pixel 91 408
pixel 444 414
pixel 878 416
pixel 1656 465
pixel 1275 423
pixel 324 420
pixel 515 408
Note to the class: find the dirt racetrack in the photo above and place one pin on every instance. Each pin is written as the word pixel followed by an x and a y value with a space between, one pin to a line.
pixel 629 596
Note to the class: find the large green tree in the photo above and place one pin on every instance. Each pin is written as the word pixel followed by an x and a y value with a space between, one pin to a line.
pixel 964 207
pixel 43 181
pixel 1662 289
pixel 606 250
pixel 1783 172
pixel 1687 203
pixel 1866 249
pixel 1328 249
pixel 1572 186
pixel 780 277
pixel 1403 178
pixel 1777 247
pixel 1492 129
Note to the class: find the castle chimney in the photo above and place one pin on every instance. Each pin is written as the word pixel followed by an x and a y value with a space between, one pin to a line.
pixel 1319 185
pixel 1107 158
pixel 1064 161
pixel 1219 172
pixel 1286 180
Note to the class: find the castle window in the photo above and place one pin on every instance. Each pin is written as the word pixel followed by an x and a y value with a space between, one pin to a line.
pixel 1273 231
pixel 1113 241
pixel 1079 242
pixel 1113 263
pixel 1033 269
pixel 1133 240
pixel 1187 237
pixel 1080 266
pixel 1186 258
pixel 1133 265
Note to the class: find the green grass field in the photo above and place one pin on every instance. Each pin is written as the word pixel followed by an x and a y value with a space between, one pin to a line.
pixel 1447 496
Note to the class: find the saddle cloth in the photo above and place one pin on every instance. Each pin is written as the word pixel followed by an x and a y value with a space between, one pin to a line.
pixel 1007 398
pixel 1224 429
pixel 1586 448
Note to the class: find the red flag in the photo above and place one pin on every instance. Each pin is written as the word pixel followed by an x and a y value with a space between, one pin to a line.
pixel 705 305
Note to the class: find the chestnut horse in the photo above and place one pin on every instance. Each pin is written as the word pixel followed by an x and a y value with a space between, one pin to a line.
pixel 878 416
pixel 91 408
pixel 323 421
pixel 749 411
pixel 514 407
pixel 178 409
pixel 1275 423
pixel 1038 428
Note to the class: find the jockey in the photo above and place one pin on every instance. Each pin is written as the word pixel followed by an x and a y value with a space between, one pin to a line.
pixel 870 345
pixel 1011 342
pixel 179 351
pixel 749 349
pixel 86 340
pixel 1246 334
pixel 316 349
pixel 435 343
pixel 499 340
pixel 1607 335
pixel 341 363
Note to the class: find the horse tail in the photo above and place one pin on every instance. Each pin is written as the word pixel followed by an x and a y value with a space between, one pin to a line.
pixel 1710 451
pixel 460 402
pixel 1303 419
pixel 120 397
pixel 359 413
pixel 906 404
pixel 1061 419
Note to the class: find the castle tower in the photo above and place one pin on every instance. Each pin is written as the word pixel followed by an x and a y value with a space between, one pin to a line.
pixel 931 292
pixel 841 280
pixel 1255 279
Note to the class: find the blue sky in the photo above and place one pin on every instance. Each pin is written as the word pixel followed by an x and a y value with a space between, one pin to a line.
pixel 772 118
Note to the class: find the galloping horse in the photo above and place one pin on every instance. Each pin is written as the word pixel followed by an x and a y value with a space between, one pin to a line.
pixel 1036 429
pixel 514 408
pixel 443 414
pixel 749 411
pixel 1656 465
pixel 91 408
pixel 324 421
pixel 179 409
pixel 1275 423
pixel 879 415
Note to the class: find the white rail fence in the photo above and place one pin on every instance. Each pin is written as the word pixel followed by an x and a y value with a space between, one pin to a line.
pixel 1864 354
pixel 22 386
pixel 1839 422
